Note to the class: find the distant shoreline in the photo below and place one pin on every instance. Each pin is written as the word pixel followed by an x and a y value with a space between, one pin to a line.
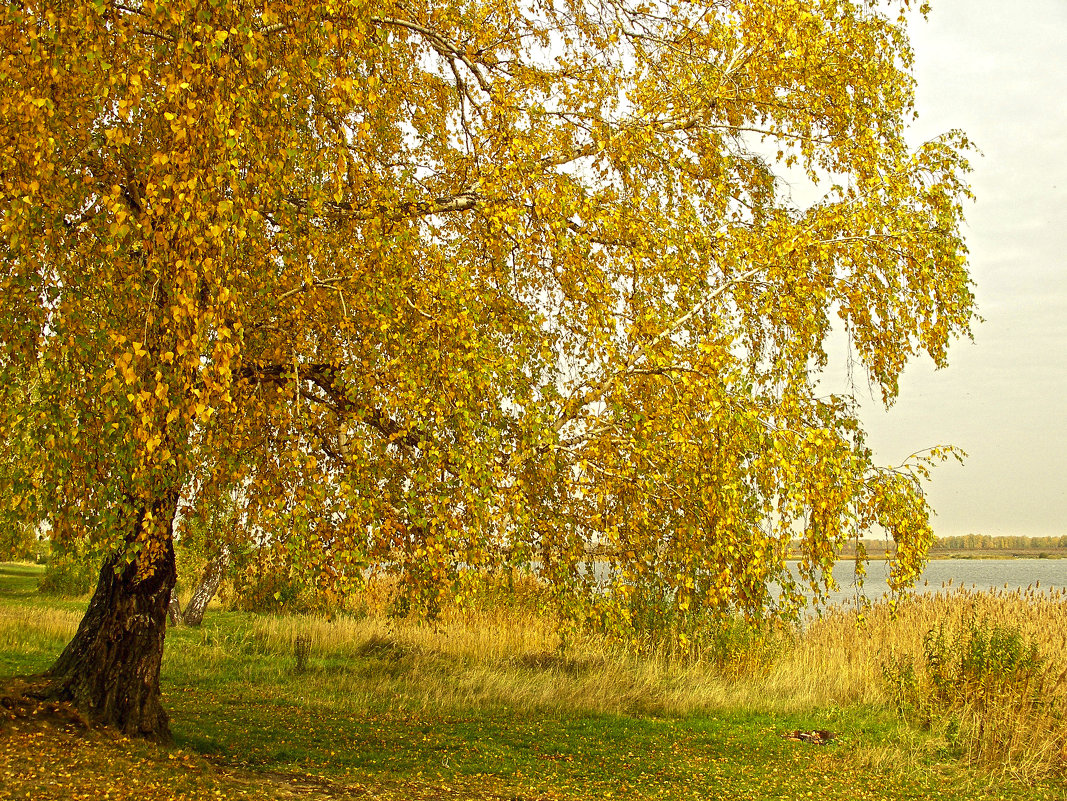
pixel 1036 553
pixel 990 554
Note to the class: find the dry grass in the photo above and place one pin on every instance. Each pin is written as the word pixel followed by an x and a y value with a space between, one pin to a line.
pixel 510 655
pixel 485 658
pixel 836 661
pixel 24 627
pixel 1015 721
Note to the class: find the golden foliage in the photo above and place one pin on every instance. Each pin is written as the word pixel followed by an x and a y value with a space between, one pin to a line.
pixel 442 284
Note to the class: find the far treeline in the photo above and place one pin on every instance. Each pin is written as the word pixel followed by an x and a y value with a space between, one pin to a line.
pixel 987 542
pixel 966 542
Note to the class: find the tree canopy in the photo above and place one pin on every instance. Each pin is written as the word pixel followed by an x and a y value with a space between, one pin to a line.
pixel 444 285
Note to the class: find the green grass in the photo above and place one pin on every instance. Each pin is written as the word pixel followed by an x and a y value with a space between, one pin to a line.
pixel 403 716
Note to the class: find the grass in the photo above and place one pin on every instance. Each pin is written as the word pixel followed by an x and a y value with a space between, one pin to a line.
pixel 485 705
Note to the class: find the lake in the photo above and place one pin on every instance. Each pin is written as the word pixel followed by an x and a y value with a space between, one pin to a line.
pixel 947 574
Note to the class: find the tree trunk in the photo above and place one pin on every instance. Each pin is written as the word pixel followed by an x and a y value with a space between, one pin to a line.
pixel 110 670
pixel 208 586
pixel 174 609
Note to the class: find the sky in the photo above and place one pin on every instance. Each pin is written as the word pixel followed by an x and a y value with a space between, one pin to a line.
pixel 998 71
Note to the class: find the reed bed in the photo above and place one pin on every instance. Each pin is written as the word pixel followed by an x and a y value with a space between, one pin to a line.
pixel 838 657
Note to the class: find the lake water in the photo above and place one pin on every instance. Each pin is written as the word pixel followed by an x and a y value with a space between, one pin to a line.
pixel 948 574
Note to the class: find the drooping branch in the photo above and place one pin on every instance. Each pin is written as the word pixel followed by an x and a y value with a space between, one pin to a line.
pixel 638 357
pixel 445 204
pixel 449 50
pixel 341 400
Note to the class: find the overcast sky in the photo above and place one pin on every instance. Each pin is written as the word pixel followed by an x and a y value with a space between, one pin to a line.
pixel 998 70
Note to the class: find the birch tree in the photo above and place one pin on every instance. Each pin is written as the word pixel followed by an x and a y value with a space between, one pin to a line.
pixel 463 283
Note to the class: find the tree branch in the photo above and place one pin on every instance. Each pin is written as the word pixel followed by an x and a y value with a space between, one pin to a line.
pixel 445 204
pixel 441 45
pixel 608 382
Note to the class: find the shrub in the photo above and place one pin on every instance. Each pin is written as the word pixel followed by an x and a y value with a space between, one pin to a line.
pixel 71 571
pixel 18 541
pixel 270 589
pixel 989 691
pixel 268 579
pixel 646 620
